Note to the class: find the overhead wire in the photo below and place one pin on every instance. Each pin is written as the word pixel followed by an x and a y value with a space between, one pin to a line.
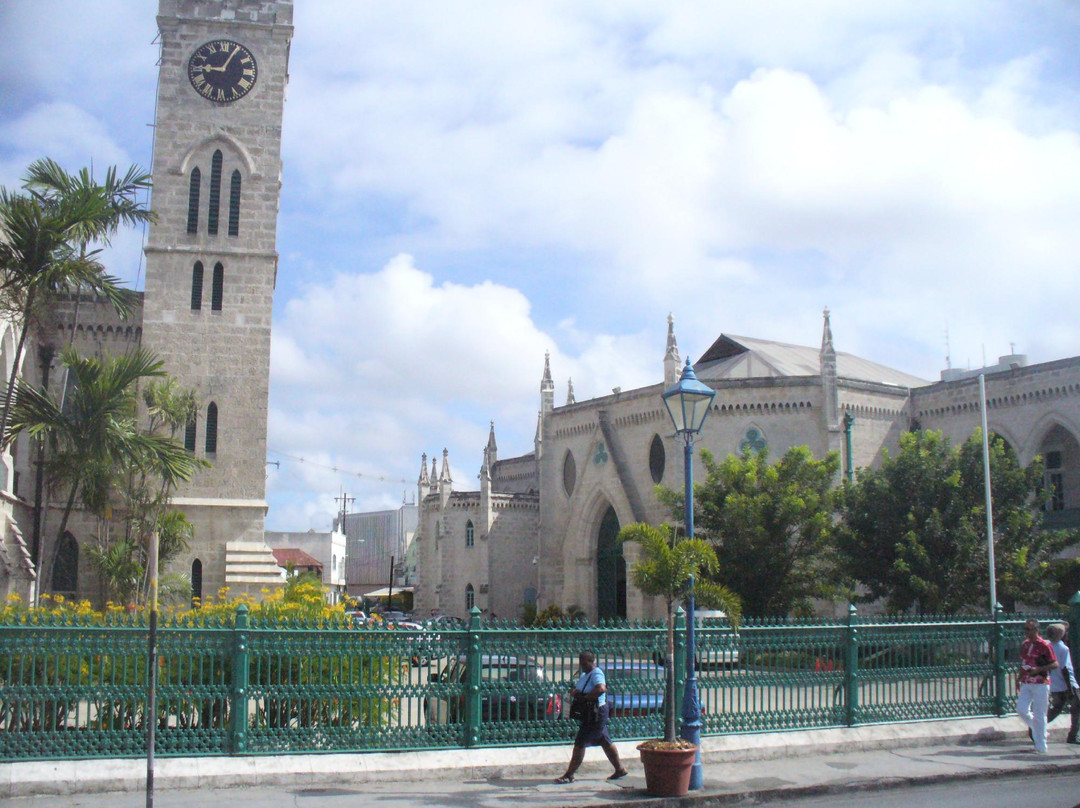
pixel 338 469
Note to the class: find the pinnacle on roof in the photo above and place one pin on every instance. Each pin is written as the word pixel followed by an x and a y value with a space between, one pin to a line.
pixel 444 477
pixel 570 392
pixel 424 479
pixel 672 351
pixel 826 335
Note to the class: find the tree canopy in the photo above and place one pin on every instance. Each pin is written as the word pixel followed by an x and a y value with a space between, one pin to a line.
pixel 46 231
pixel 914 530
pixel 771 526
pixel 97 449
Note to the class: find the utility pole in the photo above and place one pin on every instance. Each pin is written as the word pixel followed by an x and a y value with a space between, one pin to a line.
pixel 344 499
pixel 390 589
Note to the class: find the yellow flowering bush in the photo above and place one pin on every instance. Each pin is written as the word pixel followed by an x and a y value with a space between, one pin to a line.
pixel 197 673
pixel 301 601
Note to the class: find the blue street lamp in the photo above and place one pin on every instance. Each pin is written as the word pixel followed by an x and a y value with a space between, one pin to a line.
pixel 688 403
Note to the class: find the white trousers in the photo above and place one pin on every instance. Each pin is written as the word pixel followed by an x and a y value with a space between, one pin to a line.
pixel 1031 704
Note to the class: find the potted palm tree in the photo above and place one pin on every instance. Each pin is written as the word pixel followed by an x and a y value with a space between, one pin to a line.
pixel 671 568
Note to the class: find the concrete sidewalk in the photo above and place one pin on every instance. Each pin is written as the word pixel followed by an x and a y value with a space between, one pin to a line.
pixel 763 766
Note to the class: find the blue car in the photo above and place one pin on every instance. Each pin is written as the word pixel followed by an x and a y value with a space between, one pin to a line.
pixel 634 688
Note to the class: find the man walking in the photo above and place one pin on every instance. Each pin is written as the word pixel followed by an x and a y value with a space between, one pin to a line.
pixel 1063 686
pixel 1036 661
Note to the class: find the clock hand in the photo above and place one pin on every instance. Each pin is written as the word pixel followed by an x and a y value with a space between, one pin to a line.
pixel 231 55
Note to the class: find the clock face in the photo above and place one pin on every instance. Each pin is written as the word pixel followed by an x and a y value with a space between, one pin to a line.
pixel 222 71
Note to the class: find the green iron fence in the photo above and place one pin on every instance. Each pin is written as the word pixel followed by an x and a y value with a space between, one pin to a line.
pixel 70 688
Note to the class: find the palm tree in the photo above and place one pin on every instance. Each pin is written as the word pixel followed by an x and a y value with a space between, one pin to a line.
pixel 45 235
pixel 95 433
pixel 668 568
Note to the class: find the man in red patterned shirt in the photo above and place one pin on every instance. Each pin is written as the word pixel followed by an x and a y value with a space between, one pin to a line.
pixel 1036 661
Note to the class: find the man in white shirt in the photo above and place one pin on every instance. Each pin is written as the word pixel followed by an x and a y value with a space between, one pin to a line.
pixel 1063 688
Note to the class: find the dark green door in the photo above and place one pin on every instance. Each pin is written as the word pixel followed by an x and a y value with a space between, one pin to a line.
pixel 610 569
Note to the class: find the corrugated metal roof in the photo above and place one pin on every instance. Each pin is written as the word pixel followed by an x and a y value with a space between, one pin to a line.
pixel 732 357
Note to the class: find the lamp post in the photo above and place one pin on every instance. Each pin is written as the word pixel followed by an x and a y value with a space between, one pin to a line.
pixel 688 403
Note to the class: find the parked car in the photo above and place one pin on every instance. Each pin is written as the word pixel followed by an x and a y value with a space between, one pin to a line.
pixel 394 616
pixel 359 618
pixel 634 688
pixel 719 651
pixel 511 689
pixel 430 643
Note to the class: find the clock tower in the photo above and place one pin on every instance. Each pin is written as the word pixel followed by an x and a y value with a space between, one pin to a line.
pixel 211 264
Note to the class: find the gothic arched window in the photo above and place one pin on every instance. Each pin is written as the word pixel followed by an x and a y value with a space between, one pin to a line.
pixel 470 597
pixel 196 286
pixel 193 201
pixel 469 533
pixel 569 473
pixel 211 428
pixel 234 204
pixel 215 194
pixel 189 435
pixel 217 287
pixel 657 459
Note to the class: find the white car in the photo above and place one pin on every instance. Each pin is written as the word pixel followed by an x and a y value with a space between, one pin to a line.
pixel 716 642
pixel 721 646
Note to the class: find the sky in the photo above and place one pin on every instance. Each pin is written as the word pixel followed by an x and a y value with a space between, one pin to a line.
pixel 469 185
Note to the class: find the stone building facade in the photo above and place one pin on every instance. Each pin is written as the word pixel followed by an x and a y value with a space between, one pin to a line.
pixel 211 266
pixel 211 262
pixel 543 524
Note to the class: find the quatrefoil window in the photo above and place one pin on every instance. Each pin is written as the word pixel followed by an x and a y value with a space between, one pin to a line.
pixel 754 441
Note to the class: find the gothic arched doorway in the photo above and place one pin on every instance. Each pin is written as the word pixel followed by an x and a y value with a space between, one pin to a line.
pixel 610 569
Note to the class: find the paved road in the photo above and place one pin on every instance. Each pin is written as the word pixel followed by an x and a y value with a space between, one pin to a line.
pixel 1048 791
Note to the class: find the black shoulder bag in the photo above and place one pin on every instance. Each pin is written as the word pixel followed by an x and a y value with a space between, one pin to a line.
pixel 587 711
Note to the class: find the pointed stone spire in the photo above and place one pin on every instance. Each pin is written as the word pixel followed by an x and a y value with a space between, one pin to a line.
pixel 434 476
pixel 828 372
pixel 826 335
pixel 491 453
pixel 672 370
pixel 547 387
pixel 570 392
pixel 423 484
pixel 444 475
pixel 445 484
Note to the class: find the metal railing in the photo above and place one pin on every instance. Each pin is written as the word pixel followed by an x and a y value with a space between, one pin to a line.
pixel 75 688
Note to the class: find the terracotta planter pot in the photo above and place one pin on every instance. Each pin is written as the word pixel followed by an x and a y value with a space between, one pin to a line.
pixel 667 771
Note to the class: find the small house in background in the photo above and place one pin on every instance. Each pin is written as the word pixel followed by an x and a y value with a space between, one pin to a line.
pixel 312 551
pixel 297 561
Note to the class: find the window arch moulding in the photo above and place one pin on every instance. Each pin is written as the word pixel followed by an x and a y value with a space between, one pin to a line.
pixel 230 147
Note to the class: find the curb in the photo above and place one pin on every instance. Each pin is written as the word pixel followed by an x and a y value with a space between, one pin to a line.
pixel 869 785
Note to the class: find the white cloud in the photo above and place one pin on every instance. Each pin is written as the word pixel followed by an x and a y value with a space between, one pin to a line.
pixel 566 174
